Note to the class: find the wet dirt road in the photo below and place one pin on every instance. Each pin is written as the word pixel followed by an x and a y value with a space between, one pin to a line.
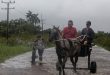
pixel 20 65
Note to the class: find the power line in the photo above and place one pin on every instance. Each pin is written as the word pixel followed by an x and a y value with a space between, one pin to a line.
pixel 42 23
pixel 18 13
pixel 8 8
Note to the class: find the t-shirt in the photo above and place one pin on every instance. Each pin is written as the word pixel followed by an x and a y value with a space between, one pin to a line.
pixel 40 44
pixel 90 34
pixel 88 31
pixel 69 32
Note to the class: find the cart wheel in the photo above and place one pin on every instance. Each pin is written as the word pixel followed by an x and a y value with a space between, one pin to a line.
pixel 93 67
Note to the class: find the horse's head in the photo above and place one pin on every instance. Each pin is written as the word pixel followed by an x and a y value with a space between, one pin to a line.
pixel 54 34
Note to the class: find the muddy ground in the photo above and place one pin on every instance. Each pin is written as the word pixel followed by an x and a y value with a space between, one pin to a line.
pixel 20 65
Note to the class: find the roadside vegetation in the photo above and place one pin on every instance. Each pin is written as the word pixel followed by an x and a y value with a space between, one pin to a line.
pixel 103 39
pixel 21 34
pixel 7 51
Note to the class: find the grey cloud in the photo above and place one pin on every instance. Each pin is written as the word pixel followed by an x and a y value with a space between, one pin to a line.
pixel 58 12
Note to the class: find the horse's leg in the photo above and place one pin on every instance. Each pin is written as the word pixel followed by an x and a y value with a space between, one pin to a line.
pixel 59 63
pixel 73 63
pixel 76 60
pixel 63 64
pixel 59 68
pixel 64 61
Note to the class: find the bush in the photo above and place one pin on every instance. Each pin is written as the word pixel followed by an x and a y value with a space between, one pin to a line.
pixel 12 41
pixel 103 40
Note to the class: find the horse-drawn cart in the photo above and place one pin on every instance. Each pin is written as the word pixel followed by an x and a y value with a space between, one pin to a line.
pixel 92 66
pixel 72 48
pixel 84 52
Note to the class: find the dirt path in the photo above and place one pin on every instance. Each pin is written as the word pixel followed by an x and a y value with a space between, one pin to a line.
pixel 21 65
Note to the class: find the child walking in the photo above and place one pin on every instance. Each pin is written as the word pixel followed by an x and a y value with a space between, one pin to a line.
pixel 40 45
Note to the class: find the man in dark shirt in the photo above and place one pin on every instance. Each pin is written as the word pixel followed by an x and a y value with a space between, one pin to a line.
pixel 88 32
pixel 90 35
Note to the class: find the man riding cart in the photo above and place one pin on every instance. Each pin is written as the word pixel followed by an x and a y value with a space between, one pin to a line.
pixel 89 39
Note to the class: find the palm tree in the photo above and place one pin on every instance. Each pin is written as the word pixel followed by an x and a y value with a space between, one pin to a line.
pixel 35 19
pixel 32 18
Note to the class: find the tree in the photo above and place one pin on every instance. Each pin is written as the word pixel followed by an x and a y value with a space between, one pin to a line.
pixel 19 26
pixel 3 28
pixel 32 18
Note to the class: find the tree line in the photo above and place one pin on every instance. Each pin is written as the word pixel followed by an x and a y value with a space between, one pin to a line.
pixel 29 25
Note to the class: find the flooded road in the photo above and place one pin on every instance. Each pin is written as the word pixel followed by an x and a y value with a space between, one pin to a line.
pixel 20 65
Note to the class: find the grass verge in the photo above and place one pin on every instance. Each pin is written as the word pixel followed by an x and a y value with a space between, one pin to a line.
pixel 7 51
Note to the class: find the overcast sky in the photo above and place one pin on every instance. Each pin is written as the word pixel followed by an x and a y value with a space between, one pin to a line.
pixel 58 12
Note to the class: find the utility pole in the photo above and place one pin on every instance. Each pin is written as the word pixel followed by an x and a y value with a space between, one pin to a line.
pixel 8 8
pixel 42 23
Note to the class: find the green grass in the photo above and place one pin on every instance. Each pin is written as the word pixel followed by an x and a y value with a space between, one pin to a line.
pixel 103 41
pixel 7 51
pixel 13 48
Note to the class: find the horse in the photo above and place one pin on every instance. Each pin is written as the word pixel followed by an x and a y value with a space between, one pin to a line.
pixel 65 48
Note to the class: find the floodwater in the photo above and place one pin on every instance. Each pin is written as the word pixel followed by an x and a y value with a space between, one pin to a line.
pixel 21 64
